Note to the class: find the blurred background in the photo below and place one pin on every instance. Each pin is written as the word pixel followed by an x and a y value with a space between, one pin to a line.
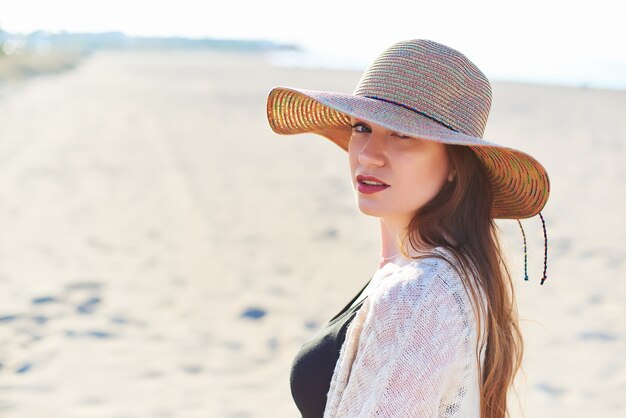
pixel 163 253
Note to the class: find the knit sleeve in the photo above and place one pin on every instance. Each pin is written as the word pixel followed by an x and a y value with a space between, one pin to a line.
pixel 414 351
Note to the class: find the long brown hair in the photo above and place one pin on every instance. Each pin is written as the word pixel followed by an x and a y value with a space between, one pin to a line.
pixel 459 218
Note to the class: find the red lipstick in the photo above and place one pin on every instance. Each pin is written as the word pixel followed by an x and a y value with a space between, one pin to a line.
pixel 370 184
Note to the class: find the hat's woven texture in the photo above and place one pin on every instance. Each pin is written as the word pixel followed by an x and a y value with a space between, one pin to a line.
pixel 423 89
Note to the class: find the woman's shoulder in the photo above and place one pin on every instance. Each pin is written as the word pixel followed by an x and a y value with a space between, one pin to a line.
pixel 432 284
pixel 433 273
pixel 424 293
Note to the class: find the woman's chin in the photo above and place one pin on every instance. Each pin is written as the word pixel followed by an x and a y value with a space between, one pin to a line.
pixel 378 210
pixel 371 210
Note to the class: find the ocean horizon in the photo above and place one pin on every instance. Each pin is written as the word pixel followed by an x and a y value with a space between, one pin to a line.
pixel 579 73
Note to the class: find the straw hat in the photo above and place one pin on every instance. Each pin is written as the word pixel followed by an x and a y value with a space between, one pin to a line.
pixel 423 89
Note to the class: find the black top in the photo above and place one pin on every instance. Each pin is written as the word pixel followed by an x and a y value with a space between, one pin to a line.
pixel 313 366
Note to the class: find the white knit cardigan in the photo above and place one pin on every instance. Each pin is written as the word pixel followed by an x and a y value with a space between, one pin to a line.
pixel 410 351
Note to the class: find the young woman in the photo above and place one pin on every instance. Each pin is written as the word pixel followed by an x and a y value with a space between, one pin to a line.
pixel 434 332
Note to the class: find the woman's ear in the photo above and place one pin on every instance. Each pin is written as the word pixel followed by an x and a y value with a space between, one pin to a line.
pixel 451 175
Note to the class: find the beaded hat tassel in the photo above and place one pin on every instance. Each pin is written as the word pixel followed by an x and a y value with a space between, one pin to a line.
pixel 545 249
pixel 545 252
pixel 525 255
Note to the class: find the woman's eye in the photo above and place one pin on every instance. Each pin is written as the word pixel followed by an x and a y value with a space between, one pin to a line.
pixel 356 125
pixel 402 136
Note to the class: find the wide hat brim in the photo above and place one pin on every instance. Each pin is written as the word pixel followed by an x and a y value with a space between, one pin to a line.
pixel 519 183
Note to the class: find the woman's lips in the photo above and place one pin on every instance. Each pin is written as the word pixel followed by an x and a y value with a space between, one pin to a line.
pixel 369 184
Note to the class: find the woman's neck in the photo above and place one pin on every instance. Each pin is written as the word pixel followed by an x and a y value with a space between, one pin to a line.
pixel 391 230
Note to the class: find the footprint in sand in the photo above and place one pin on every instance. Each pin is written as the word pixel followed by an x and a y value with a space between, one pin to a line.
pixel 192 368
pixel 96 334
pixel 44 299
pixel 310 324
pixel 24 368
pixel 89 306
pixel 8 318
pixel 253 313
pixel 597 335
pixel 550 389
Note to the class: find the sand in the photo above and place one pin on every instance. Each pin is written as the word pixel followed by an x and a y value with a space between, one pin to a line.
pixel 21 66
pixel 164 254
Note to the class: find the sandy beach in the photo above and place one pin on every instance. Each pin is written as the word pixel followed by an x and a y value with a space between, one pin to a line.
pixel 164 254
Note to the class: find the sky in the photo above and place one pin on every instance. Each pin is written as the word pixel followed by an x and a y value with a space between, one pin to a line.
pixel 552 40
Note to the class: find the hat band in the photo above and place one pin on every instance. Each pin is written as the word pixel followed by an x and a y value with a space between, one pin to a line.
pixel 413 110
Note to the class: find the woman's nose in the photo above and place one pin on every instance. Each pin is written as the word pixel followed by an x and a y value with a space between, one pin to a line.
pixel 372 153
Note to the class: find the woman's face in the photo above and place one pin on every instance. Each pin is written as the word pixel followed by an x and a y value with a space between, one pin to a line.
pixel 412 170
